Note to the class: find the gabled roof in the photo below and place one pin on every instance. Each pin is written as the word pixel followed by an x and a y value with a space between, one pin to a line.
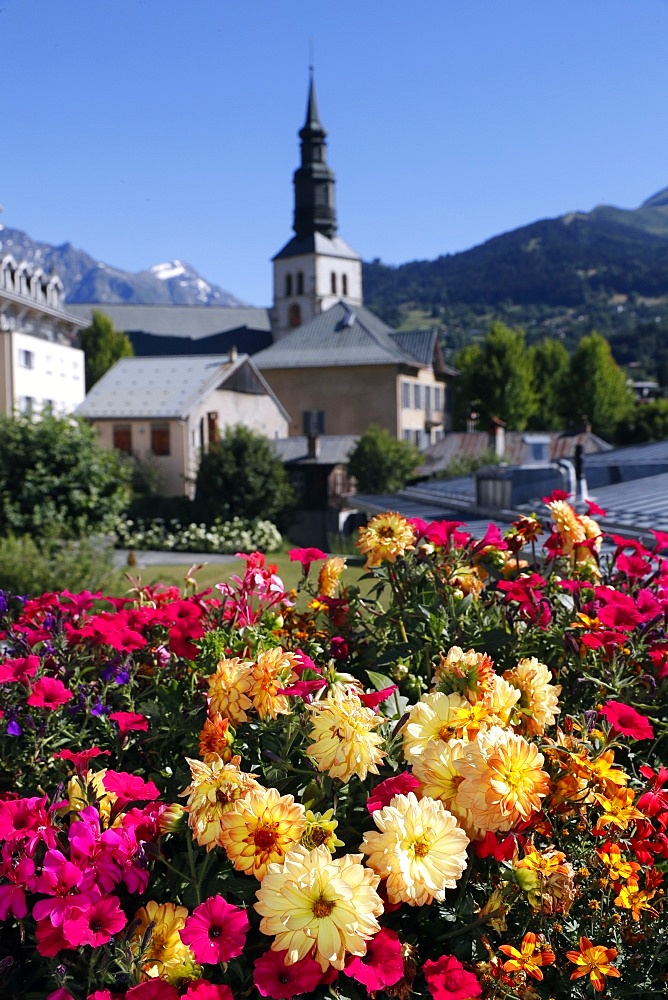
pixel 333 449
pixel 318 243
pixel 342 335
pixel 168 388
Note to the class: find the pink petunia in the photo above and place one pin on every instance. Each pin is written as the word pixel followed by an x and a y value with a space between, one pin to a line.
pixel 19 670
pixel 48 692
pixel 383 964
pixel 130 787
pixel 306 557
pixel 60 994
pixel 204 990
pixel 374 698
pixel 215 931
pixel 383 793
pixel 625 720
pixel 95 923
pixel 447 979
pixel 129 721
pixel 279 981
pixel 80 759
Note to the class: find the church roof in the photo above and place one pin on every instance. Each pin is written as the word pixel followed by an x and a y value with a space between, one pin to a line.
pixel 343 335
pixel 176 321
pixel 318 243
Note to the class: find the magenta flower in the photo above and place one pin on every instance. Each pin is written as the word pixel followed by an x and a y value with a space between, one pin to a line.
pixel 383 964
pixel 384 792
pixel 215 931
pixel 129 787
pixel 627 721
pixel 204 990
pixel 279 981
pixel 128 721
pixel 20 670
pixel 80 759
pixel 306 557
pixel 96 923
pixel 447 979
pixel 60 994
pixel 48 692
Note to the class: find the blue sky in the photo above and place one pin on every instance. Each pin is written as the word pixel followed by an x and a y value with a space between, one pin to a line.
pixel 147 130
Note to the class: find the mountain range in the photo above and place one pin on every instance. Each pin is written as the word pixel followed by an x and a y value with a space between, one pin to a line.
pixel 605 269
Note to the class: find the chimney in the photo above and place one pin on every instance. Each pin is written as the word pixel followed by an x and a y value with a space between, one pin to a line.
pixel 497 437
pixel 233 354
pixel 313 446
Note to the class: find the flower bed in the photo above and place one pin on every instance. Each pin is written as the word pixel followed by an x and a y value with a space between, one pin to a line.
pixel 221 536
pixel 450 785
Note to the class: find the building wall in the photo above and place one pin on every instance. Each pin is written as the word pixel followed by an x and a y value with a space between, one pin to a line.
pixel 353 397
pixel 37 373
pixel 317 295
pixel 422 408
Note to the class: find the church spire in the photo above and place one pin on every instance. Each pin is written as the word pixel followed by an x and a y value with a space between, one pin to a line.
pixel 313 180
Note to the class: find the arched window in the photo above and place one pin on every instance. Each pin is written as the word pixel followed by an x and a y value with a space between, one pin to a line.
pixel 300 282
pixel 294 315
pixel 344 284
pixel 288 286
pixel 333 280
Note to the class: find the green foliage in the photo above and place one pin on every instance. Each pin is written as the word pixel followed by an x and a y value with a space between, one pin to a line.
pixel 597 387
pixel 648 423
pixel 466 466
pixel 241 476
pixel 56 479
pixel 550 362
pixel 496 379
pixel 102 345
pixel 31 567
pixel 380 463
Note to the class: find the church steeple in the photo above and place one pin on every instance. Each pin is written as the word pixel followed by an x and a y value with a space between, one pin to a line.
pixel 313 180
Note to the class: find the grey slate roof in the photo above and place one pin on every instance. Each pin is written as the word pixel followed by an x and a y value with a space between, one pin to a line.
pixel 342 335
pixel 176 321
pixel 317 243
pixel 334 449
pixel 160 388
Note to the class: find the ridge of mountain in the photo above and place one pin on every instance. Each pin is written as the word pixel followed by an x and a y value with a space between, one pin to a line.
pixel 88 280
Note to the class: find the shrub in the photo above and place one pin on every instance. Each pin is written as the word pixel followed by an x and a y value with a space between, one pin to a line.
pixel 382 464
pixel 29 566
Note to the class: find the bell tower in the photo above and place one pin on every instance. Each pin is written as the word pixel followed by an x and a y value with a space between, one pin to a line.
pixel 316 268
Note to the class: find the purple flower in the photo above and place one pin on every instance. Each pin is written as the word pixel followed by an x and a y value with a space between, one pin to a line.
pixel 13 728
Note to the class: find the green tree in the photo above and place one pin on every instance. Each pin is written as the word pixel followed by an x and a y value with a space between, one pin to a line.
pixel 102 345
pixel 57 479
pixel 496 379
pixel 240 475
pixel 597 388
pixel 381 463
pixel 550 362
pixel 648 423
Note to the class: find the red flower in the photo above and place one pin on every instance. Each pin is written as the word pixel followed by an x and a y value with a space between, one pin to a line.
pixel 383 964
pixel 47 692
pixel 447 979
pixel 130 787
pixel 556 495
pixel 19 670
pixel 306 557
pixel 80 759
pixel 215 931
pixel 594 510
pixel 128 721
pixel 204 990
pixel 384 792
pixel 627 721
pixel 156 989
pixel 275 979
pixel 97 924
pixel 373 698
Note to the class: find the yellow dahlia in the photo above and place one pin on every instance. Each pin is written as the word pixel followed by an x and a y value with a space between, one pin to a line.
pixel 433 718
pixel 343 739
pixel 418 847
pixel 503 780
pixel 165 955
pixel 320 831
pixel 436 770
pixel 569 526
pixel 329 577
pixel 316 905
pixel 215 788
pixel 83 791
pixel 261 828
pixel 501 700
pixel 547 878
pixel 228 690
pixel 538 704
pixel 384 538
pixel 272 672
pixel 216 738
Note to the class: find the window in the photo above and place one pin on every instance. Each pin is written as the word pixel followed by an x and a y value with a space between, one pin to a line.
pixel 160 439
pixel 427 400
pixel 333 282
pixel 406 395
pixel 26 359
pixel 300 282
pixel 212 427
pixel 288 285
pixel 408 435
pixel 438 399
pixel 344 284
pixel 26 404
pixel 122 438
pixel 417 397
pixel 294 315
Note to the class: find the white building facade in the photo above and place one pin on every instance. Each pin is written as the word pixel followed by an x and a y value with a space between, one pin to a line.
pixel 41 368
